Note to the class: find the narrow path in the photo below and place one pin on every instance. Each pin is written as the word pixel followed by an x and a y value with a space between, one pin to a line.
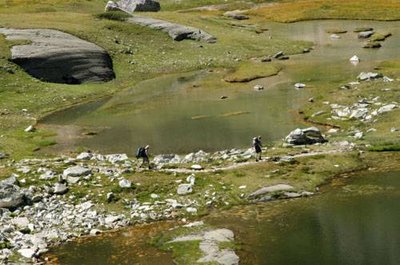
pixel 245 164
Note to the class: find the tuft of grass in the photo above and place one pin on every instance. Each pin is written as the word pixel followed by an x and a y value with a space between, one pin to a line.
pixel 113 15
pixel 380 36
pixel 385 148
pixel 248 71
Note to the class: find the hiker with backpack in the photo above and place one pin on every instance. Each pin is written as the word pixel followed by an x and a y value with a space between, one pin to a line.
pixel 257 147
pixel 143 152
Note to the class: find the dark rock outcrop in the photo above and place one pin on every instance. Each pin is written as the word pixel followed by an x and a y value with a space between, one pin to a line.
pixel 10 196
pixel 58 57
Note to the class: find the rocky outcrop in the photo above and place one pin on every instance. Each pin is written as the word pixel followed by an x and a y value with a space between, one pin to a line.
pixel 175 31
pixel 11 196
pixel 309 135
pixel 58 57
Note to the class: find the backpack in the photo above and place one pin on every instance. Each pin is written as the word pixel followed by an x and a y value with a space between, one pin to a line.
pixel 140 152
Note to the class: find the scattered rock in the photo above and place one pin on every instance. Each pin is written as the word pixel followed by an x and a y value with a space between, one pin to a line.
pixel 27 252
pixel 372 45
pixel 365 34
pixel 278 54
pixel 30 128
pixel 354 60
pixel 299 85
pixel 84 156
pixel 309 135
pixel 237 14
pixel 196 167
pixel 184 189
pixel 60 188
pixel 386 108
pixel 76 171
pixel 363 76
pixel 258 87
pixel 124 183
pixel 335 37
pixel 11 197
pixel 111 6
pixel 191 210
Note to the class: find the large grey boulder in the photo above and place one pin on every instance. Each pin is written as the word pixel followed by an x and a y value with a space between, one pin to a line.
pixel 309 135
pixel 271 189
pixel 139 5
pixel 76 171
pixel 11 197
pixel 176 31
pixel 58 57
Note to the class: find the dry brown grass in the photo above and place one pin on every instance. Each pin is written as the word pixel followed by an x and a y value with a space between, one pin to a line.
pixel 291 11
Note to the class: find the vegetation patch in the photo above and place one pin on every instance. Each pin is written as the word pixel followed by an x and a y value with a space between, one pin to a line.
pixel 114 15
pixel 291 10
pixel 249 71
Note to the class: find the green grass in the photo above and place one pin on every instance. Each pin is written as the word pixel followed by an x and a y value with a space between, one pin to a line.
pixel 113 15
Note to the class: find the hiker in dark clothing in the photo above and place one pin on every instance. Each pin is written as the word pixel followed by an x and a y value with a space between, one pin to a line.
pixel 257 147
pixel 143 152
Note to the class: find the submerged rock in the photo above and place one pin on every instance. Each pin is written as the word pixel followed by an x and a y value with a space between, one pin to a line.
pixel 58 57
pixel 309 135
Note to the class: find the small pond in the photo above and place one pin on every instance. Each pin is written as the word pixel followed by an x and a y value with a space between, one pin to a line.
pixel 184 113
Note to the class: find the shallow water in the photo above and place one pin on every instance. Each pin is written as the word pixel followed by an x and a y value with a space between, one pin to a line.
pixel 184 113
pixel 354 223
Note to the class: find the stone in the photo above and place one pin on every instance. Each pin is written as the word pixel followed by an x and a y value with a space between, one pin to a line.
pixel 270 189
pixel 47 175
pixel 236 14
pixel 372 45
pixel 10 181
pixel 299 85
pixel 184 189
pixel 176 31
pixel 111 6
pixel 354 60
pixel 111 219
pixel 309 135
pixel 219 235
pixel 139 5
pixel 167 159
pixel 191 210
pixel 278 54
pixel 154 196
pixel 84 156
pixel 11 197
pixel 30 128
pixel 60 189
pixel 258 87
pixel 292 195
pixel 20 222
pixel 194 224
pixel 124 183
pixel 58 57
pixel 387 79
pixel 387 108
pixel 335 36
pixel 196 167
pixel 95 232
pixel 73 180
pixel 76 171
pixel 110 197
pixel 27 252
pixel 191 179
pixel 116 158
pixel 3 155
pixel 365 34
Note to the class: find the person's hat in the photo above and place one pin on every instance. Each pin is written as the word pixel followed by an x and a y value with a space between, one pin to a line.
pixel 147 147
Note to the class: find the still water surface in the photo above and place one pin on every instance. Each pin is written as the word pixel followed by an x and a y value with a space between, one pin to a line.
pixel 353 223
